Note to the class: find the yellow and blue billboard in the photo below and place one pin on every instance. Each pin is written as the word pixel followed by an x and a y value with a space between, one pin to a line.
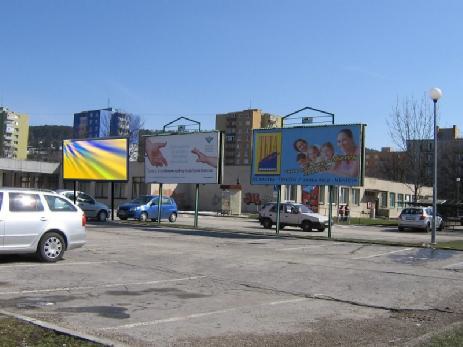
pixel 321 155
pixel 96 159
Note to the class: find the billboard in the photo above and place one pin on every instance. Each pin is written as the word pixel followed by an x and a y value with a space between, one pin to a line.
pixel 96 159
pixel 185 158
pixel 322 155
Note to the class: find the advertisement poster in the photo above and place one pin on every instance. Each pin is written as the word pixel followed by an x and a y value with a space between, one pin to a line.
pixel 323 155
pixel 310 197
pixel 186 158
pixel 96 159
pixel 267 152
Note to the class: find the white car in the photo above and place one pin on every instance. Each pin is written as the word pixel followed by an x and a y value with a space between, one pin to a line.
pixel 41 222
pixel 91 207
pixel 418 218
pixel 293 214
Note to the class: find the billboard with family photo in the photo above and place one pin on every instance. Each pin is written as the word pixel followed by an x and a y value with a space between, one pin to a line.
pixel 321 155
pixel 185 158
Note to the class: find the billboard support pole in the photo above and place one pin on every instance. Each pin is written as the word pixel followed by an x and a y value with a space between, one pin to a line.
pixel 75 191
pixel 159 203
pixel 278 210
pixel 196 205
pixel 112 200
pixel 330 210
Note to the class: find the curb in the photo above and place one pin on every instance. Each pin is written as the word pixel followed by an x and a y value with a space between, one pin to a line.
pixel 274 235
pixel 64 331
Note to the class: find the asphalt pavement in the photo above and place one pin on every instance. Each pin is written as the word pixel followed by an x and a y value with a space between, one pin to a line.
pixel 150 285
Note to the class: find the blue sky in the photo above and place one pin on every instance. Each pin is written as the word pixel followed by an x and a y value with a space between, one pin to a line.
pixel 165 59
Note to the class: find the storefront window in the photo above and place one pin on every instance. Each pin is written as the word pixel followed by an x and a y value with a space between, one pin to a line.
pixel 392 200
pixel 383 201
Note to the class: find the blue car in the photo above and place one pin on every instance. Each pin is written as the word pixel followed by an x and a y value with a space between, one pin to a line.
pixel 146 207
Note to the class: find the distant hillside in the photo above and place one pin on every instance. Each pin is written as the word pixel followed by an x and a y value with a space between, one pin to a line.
pixel 48 136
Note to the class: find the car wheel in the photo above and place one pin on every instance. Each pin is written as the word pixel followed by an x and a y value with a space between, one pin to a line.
pixel 267 223
pixel 172 217
pixel 102 216
pixel 400 229
pixel 123 218
pixel 321 228
pixel 143 217
pixel 282 226
pixel 51 247
pixel 307 226
pixel 153 219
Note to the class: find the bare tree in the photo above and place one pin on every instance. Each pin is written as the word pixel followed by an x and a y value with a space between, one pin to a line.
pixel 410 126
pixel 135 124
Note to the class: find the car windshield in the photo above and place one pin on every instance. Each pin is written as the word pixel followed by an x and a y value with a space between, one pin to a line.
pixel 142 200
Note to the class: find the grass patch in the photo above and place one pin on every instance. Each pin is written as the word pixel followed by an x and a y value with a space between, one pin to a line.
pixel 14 332
pixel 451 244
pixel 368 221
pixel 447 339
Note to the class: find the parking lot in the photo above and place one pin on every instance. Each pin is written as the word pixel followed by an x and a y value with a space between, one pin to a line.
pixel 148 285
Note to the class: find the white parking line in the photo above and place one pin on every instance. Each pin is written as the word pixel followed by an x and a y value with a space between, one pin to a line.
pixel 199 315
pixel 64 289
pixel 59 264
pixel 311 246
pixel 380 254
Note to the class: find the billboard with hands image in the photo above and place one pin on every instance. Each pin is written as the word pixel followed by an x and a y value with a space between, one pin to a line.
pixel 185 158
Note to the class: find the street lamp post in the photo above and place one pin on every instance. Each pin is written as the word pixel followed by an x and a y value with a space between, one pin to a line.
pixel 458 189
pixel 435 94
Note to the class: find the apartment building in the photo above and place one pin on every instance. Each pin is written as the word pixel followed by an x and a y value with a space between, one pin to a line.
pixel 449 161
pixel 100 123
pixel 238 127
pixel 14 134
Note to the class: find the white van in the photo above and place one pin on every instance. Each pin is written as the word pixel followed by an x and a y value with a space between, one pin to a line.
pixel 41 222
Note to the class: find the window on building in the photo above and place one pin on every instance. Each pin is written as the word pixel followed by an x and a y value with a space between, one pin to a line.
pixel 383 202
pixel 400 200
pixel 356 196
pixel 138 186
pixel 392 200
pixel 101 190
pixel 84 186
pixel 321 195
pixel 120 190
pixel 344 195
pixel 334 195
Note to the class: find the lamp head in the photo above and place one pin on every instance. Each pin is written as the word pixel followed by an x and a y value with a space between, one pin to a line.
pixel 435 94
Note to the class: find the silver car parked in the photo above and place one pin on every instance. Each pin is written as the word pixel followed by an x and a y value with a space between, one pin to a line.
pixel 418 218
pixel 92 208
pixel 41 222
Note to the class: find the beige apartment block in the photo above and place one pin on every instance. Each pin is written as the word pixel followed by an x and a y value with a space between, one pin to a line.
pixel 14 134
pixel 237 128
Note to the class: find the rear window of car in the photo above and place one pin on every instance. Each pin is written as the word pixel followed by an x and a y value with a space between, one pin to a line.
pixel 24 202
pixel 412 211
pixel 57 204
